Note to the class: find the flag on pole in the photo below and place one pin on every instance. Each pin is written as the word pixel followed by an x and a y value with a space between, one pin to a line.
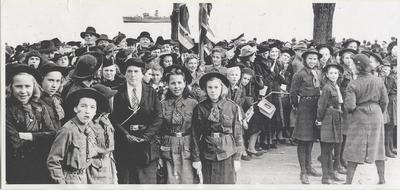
pixel 183 27
pixel 206 34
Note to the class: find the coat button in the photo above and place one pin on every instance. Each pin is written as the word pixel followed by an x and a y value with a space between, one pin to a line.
pixel 87 160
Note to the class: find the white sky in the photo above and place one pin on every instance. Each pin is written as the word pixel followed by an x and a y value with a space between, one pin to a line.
pixel 36 20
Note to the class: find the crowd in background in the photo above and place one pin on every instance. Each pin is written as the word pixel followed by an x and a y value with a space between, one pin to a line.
pixel 138 110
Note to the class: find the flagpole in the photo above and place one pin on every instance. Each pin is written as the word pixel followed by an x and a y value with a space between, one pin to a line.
pixel 201 49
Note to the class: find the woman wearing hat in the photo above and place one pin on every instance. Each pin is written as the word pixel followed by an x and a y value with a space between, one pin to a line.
pixel 304 94
pixel 366 97
pixel 102 169
pixel 90 36
pixel 53 77
pixel 391 86
pixel 392 53
pixel 110 74
pixel 192 64
pixel 326 51
pixel 216 120
pixel 176 130
pixel 329 118
pixel 217 56
pixel 351 44
pixel 145 41
pixel 348 75
pixel 29 129
pixel 75 143
pixel 103 41
pixel 34 59
pixel 138 118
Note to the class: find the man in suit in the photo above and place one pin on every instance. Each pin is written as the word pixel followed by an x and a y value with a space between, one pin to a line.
pixel 137 117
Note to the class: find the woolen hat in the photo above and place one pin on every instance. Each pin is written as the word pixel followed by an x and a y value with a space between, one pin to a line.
pixel 362 61
pixel 14 69
pixel 50 66
pixel 178 69
pixel 90 30
pixel 339 67
pixel 134 61
pixel 205 78
pixel 108 62
pixel 247 50
pixel 47 46
pixel 105 90
pixel 33 53
pixel 86 66
pixel 311 51
pixel 145 34
pixel 73 99
pixel 348 41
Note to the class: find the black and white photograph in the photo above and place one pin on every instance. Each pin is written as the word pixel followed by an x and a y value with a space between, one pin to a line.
pixel 244 94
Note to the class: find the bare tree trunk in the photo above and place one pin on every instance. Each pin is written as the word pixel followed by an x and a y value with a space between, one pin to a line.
pixel 174 22
pixel 323 16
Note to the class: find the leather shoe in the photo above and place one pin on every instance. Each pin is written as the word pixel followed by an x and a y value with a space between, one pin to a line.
pixel 335 177
pixel 390 155
pixel 341 170
pixel 313 172
pixel 246 158
pixel 255 154
pixel 304 178
pixel 326 181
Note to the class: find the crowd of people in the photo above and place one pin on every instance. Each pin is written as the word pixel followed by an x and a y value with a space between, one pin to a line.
pixel 137 111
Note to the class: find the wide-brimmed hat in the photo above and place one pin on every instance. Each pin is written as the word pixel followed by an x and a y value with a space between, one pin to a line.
pixel 50 66
pixel 105 90
pixel 342 51
pixel 178 69
pixel 74 43
pixel 320 46
pixel 375 55
pixel 208 76
pixel 59 55
pixel 339 67
pixel 47 46
pixel 148 56
pixel 145 34
pixel 391 45
pixel 311 51
pixel 73 99
pixel 348 41
pixel 57 42
pixel 86 66
pixel 131 41
pixel 103 37
pixel 14 69
pixel 263 47
pixel 247 50
pixel 288 50
pixel 89 30
pixel 362 61
pixel 300 46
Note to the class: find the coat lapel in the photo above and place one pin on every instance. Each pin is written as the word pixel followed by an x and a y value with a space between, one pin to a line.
pixel 145 94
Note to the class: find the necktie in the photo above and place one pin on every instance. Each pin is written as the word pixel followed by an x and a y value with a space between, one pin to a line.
pixel 340 98
pixel 177 116
pixel 135 100
pixel 315 78
pixel 214 114
pixel 58 108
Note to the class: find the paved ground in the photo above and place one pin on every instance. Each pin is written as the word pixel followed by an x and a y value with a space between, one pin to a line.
pixel 280 166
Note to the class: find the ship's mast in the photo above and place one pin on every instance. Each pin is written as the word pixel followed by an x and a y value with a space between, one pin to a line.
pixel 156 14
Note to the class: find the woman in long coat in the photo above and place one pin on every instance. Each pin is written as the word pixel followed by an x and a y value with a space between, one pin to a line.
pixel 366 98
pixel 304 94
pixel 177 109
pixel 217 133
pixel 29 129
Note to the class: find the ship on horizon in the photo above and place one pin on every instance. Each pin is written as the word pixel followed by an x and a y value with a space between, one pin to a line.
pixel 146 18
